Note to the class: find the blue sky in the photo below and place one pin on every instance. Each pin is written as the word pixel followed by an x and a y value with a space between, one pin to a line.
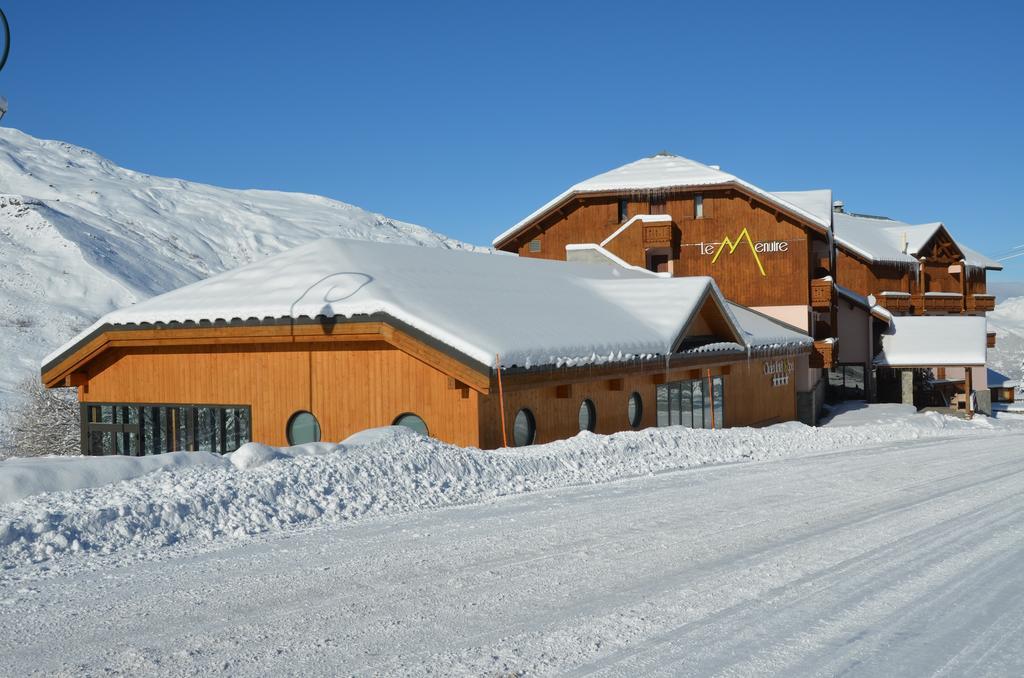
pixel 464 117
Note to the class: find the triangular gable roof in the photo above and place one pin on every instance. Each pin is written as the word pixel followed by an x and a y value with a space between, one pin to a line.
pixel 531 312
pixel 880 240
pixel 662 171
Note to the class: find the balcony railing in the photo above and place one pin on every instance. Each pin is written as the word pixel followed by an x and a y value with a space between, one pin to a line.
pixel 823 293
pixel 658 235
pixel 981 303
pixel 823 354
pixel 937 302
pixel 894 302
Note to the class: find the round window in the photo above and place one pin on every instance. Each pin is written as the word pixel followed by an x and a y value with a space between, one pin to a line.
pixel 588 415
pixel 524 429
pixel 635 410
pixel 303 428
pixel 413 421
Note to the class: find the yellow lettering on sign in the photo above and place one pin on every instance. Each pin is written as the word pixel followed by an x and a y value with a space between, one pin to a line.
pixel 733 245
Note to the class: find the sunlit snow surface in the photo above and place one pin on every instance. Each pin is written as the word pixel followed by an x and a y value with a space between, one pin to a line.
pixel 886 545
pixel 58 506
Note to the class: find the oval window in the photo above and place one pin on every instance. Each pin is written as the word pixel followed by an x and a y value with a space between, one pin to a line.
pixel 524 429
pixel 588 415
pixel 635 410
pixel 413 421
pixel 303 428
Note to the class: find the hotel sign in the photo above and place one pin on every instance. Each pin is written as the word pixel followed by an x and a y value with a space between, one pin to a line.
pixel 779 371
pixel 756 248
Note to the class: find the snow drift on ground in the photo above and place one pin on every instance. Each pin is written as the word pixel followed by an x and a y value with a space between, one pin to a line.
pixel 382 471
pixel 1007 321
pixel 80 236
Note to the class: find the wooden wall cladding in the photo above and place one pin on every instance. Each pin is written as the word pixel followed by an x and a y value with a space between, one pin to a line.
pixel 864 278
pixel 726 214
pixel 750 400
pixel 349 389
pixel 856 274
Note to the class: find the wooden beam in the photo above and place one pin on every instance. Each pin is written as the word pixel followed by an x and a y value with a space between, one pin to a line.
pixel 616 384
pixel 77 379
pixel 968 387
pixel 563 391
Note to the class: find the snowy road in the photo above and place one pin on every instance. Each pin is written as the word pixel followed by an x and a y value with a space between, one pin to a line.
pixel 899 561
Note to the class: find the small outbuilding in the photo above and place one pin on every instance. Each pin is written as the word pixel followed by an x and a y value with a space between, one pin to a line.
pixel 475 349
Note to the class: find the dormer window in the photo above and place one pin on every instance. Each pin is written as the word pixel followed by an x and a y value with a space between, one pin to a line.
pixel 698 206
pixel 623 210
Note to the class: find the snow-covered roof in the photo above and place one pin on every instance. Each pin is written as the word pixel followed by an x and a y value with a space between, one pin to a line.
pixel 999 380
pixel 934 341
pixel 664 171
pixel 529 311
pixel 881 239
pixel 817 202
pixel 764 331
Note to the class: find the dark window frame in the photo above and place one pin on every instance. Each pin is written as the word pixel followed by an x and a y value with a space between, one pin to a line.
pixel 588 405
pixel 288 427
pixel 637 402
pixel 532 421
pixel 703 410
pixel 403 415
pixel 135 428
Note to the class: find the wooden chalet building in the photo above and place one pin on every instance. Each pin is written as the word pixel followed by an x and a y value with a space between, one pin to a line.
pixel 849 282
pixel 483 350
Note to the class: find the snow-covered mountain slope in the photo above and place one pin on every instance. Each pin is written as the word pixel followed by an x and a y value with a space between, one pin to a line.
pixel 80 236
pixel 1007 321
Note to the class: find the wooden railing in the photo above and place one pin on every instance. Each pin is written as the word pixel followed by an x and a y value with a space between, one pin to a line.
pixel 823 293
pixel 981 302
pixel 897 303
pixel 937 303
pixel 823 354
pixel 658 235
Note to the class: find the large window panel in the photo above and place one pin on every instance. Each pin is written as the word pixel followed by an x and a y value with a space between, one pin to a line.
pixel 661 395
pixel 698 403
pixel 144 429
pixel 686 404
pixel 718 392
pixel 694 403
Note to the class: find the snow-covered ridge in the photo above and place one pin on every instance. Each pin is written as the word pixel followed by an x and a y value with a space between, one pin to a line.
pixel 198 498
pixel 81 236
pixel 530 312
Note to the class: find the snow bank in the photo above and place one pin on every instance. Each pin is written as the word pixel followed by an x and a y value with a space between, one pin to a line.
pixel 192 497
pixel 20 478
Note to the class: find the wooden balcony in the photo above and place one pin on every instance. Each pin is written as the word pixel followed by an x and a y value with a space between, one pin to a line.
pixel 658 235
pixel 823 294
pixel 937 302
pixel 897 303
pixel 824 354
pixel 991 339
pixel 981 303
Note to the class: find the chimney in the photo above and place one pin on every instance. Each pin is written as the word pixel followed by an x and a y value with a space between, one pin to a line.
pixel 837 206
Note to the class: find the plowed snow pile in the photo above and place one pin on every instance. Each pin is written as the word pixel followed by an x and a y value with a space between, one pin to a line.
pixel 50 507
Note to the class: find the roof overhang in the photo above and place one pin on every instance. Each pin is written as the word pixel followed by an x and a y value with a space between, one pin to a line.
pixel 744 187
pixel 71 367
